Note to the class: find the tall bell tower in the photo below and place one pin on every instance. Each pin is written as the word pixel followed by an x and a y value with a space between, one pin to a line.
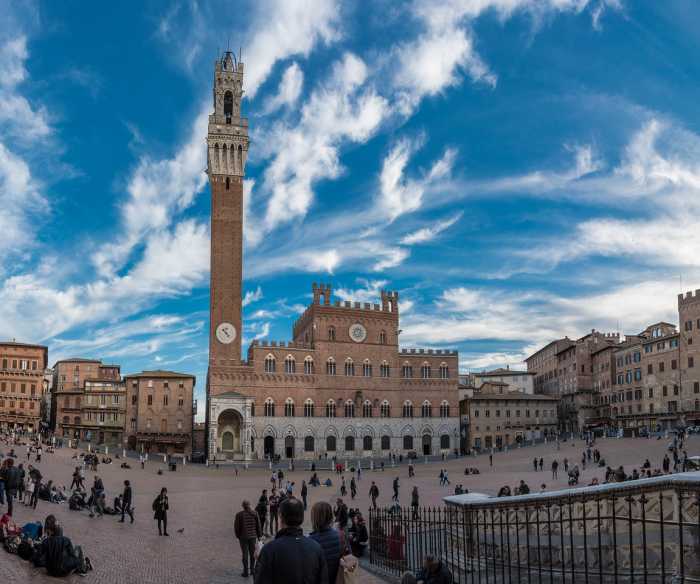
pixel 227 145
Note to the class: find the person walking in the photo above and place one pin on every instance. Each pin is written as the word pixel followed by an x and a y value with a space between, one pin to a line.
pixel 75 483
pixel 10 476
pixel 327 537
pixel 22 476
pixel 341 514
pixel 353 488
pixel 160 511
pixel 343 488
pixel 126 502
pixel 541 464
pixel 261 510
pixel 304 493
pixel 395 485
pixel 415 501
pixel 291 558
pixel 555 467
pixel 248 530
pixel 566 465
pixel 491 459
pixel 374 494
pixel 534 463
pixel 36 477
pixel 274 503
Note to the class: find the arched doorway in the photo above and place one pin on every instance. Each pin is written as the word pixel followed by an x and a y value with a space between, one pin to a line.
pixel 269 447
pixel 229 426
pixel 289 446
pixel 427 445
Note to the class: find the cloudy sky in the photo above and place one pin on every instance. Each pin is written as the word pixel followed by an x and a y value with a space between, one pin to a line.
pixel 517 169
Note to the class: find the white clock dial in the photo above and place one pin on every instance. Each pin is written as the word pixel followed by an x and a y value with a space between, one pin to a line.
pixel 358 333
pixel 226 333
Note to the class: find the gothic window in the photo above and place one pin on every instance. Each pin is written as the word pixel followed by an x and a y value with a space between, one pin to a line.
pixel 408 442
pixel 309 408
pixel 407 409
pixel 349 367
pixel 331 333
pixel 270 364
pixel 228 106
pixel 382 338
pixel 407 371
pixel 330 443
pixel 425 371
pixel 386 443
pixel 290 364
pixel 228 183
pixel 349 443
pixel 445 409
pixel 269 408
pixel 330 409
pixel 308 366
pixel 367 443
pixel 367 409
pixel 309 444
pixel 445 442
pixel 444 371
pixel 349 409
pixel 366 368
pixel 385 409
pixel 330 366
pixel 426 410
pixel 289 407
pixel 384 369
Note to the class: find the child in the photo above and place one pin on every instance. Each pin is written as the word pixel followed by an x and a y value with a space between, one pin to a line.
pixel 29 491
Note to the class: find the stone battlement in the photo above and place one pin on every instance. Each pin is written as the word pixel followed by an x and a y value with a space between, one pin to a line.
pixel 412 351
pixel 266 344
pixel 689 298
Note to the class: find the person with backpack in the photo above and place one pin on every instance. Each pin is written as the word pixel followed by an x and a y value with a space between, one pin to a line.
pixel 160 511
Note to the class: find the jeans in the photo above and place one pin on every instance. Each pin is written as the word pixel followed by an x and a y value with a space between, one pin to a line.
pixel 2 492
pixel 164 522
pixel 127 510
pixel 10 497
pixel 248 552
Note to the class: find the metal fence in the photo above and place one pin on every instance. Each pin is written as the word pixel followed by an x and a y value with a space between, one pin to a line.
pixel 638 531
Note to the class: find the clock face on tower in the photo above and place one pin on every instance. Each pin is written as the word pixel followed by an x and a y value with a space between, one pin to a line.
pixel 358 333
pixel 226 333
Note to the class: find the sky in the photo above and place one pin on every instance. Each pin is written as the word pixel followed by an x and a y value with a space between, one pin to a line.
pixel 518 170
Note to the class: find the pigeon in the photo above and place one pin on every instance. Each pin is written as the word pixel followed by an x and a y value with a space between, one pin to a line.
pixel 181 530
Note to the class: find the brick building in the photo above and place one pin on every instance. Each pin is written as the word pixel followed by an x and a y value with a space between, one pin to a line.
pixel 88 401
pixel 342 385
pixel 544 365
pixel 522 381
pixel 159 412
pixel 22 385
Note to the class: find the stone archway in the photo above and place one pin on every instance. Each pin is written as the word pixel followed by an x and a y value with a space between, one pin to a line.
pixel 229 427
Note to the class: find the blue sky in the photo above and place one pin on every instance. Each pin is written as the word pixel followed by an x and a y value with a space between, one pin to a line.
pixel 517 169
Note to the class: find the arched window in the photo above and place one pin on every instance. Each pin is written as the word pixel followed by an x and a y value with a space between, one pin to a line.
pixel 240 158
pixel 269 407
pixel 270 364
pixel 252 410
pixel 444 371
pixel 407 409
pixel 426 410
pixel 309 444
pixel 382 338
pixel 349 367
pixel 407 371
pixel 408 442
pixel 384 369
pixel 330 409
pixel 367 409
pixel 445 409
pixel 385 409
pixel 66 420
pixel 349 409
pixel 386 443
pixel 445 442
pixel 290 364
pixel 330 443
pixel 228 106
pixel 289 407
pixel 308 366
pixel 331 333
pixel 425 371
pixel 349 444
pixel 309 408
pixel 367 443
pixel 228 183
pixel 366 368
pixel 330 366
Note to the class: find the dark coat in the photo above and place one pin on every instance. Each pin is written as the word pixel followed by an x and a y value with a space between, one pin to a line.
pixel 291 559
pixel 341 515
pixel 58 555
pixel 160 507
pixel 11 477
pixel 441 575
pixel 329 540
pixel 247 525
pixel 126 497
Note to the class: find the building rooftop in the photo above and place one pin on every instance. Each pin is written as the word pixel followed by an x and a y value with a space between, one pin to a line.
pixel 160 374
pixel 77 360
pixel 16 344
pixel 503 371
pixel 513 395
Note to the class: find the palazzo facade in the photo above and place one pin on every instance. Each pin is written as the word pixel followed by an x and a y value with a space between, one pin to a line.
pixel 342 386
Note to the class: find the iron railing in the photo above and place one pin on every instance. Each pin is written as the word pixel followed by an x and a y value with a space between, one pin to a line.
pixel 637 531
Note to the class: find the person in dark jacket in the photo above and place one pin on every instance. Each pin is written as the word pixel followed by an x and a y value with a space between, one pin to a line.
pixel 10 476
pixel 327 537
pixel 57 553
pixel 160 511
pixel 291 558
pixel 126 502
pixel 247 528
pixel 261 510
pixel 433 572
pixel 341 514
pixel 358 536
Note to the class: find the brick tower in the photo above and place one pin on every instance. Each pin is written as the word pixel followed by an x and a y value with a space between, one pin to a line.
pixel 227 143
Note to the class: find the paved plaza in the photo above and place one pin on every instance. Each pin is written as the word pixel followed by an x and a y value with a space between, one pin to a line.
pixel 203 501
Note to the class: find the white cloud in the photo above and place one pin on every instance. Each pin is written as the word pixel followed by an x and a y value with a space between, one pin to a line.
pixel 427 234
pixel 370 291
pixel 252 296
pixel 289 89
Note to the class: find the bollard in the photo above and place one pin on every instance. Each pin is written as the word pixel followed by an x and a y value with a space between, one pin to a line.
pixel 123 452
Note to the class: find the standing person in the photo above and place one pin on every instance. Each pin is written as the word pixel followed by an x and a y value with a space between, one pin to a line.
pixel 566 465
pixel 353 488
pixel 341 514
pixel 274 503
pixel 38 454
pixel 541 464
pixel 445 477
pixel 327 537
pixel 261 510
pixel 304 492
pixel 36 477
pixel 160 511
pixel 491 459
pixel 343 488
pixel 374 494
pixel 555 467
pixel 75 483
pixel 22 475
pixel 142 460
pixel 415 501
pixel 291 558
pixel 10 476
pixel 248 530
pixel 126 502
pixel 534 463
pixel 441 476
pixel 395 485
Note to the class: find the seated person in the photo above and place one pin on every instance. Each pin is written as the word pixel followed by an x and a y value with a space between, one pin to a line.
pixel 434 570
pixel 328 483
pixel 124 465
pixel 504 491
pixel 57 553
pixel 358 535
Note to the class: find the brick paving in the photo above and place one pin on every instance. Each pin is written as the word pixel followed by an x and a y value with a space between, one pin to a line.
pixel 203 502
